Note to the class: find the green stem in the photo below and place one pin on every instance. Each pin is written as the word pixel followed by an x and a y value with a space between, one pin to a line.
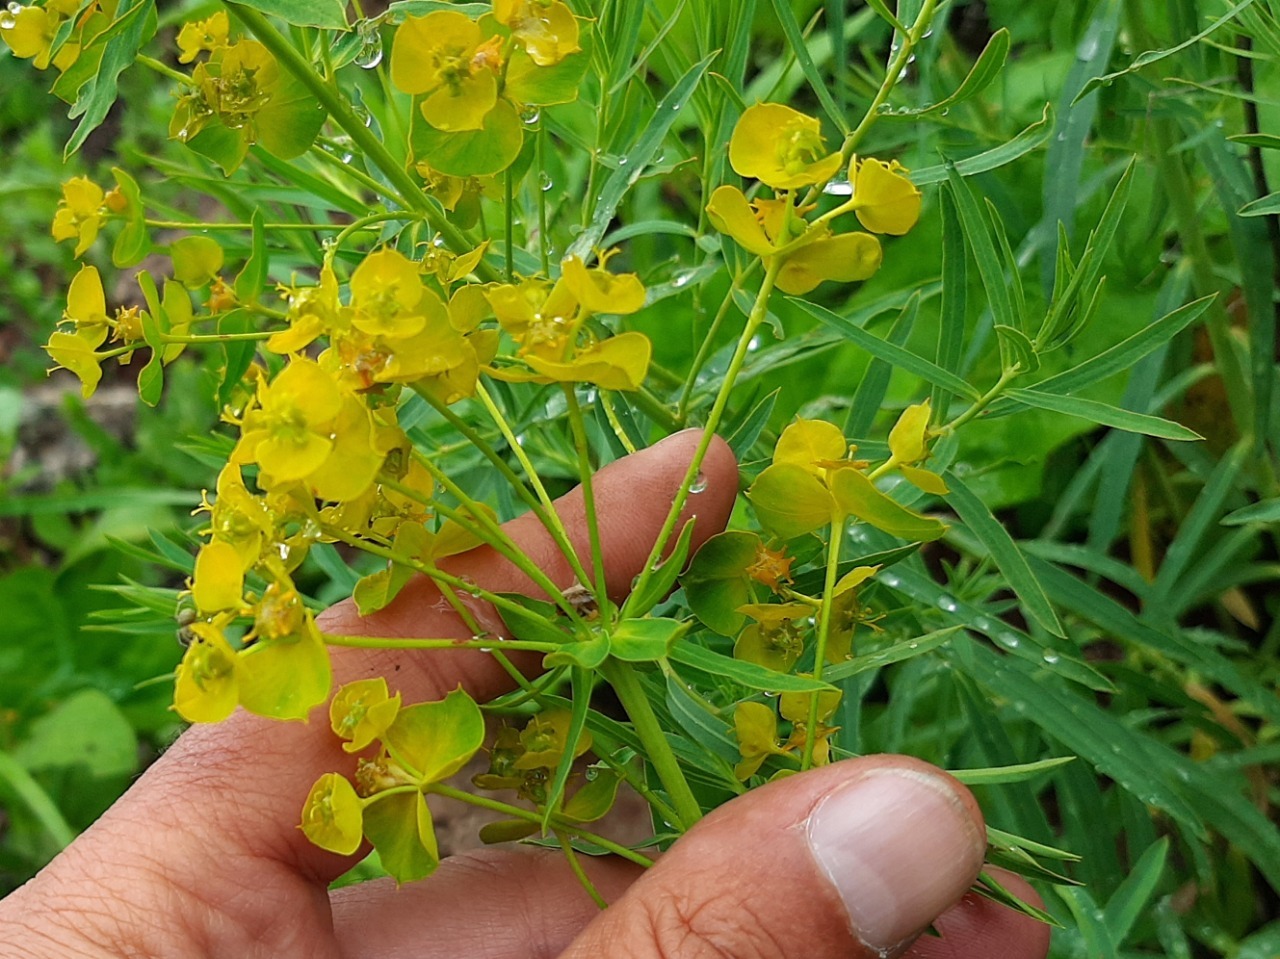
pixel 545 512
pixel 217 337
pixel 476 521
pixel 544 245
pixel 515 812
pixel 708 341
pixel 606 403
pixel 575 866
pixel 352 172
pixel 360 135
pixel 164 70
pixel 982 402
pixel 509 224
pixel 386 642
pixel 357 225
pixel 758 312
pixel 626 683
pixel 824 632
pixel 585 471
pixel 236 227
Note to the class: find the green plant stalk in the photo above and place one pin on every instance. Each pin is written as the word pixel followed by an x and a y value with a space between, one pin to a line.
pixel 360 135
pixel 759 310
pixel 550 518
pixel 575 866
pixel 437 575
pixel 355 173
pixel 234 227
pixel 896 66
pixel 704 349
pixel 980 404
pixel 389 642
pixel 1235 378
pixel 151 63
pixel 546 515
pixel 509 224
pixel 581 446
pixel 606 404
pixel 356 226
pixel 544 246
pixel 824 632
pixel 515 812
pixel 217 337
pixel 486 529
pixel 626 683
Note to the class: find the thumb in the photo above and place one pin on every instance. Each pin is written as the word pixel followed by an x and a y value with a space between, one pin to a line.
pixel 851 860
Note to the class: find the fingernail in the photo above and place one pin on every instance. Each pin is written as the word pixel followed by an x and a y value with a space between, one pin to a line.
pixel 899 846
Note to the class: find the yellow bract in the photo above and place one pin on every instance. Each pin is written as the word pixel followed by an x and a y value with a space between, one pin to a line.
pixel 756 727
pixel 884 200
pixel 361 712
pixel 844 258
pixel 87 312
pixel 203 36
pixel 332 817
pixel 443 56
pixel 30 31
pixel 218 582
pixel 547 29
pixel 781 147
pixel 304 427
pixel 206 689
pixel 79 213
pixel 547 321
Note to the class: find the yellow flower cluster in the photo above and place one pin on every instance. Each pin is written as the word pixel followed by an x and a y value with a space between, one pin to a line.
pixel 30 31
pixel 784 150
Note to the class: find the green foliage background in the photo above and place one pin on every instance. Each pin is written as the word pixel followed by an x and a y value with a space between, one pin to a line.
pixel 1159 557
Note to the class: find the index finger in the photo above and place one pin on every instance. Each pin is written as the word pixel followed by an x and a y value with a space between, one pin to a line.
pixel 249 776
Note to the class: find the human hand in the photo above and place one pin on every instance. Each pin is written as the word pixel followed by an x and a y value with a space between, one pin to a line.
pixel 203 857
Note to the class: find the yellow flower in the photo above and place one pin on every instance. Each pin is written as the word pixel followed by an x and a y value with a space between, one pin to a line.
pixel 756 728
pixel 444 57
pixel 233 85
pixel 333 817
pixel 30 31
pixel 781 147
pixel 884 200
pixel 313 310
pixel 206 687
pixel 238 518
pixel 218 582
pixel 599 291
pixel 75 352
pixel 87 312
pixel 79 213
pixel 361 712
pixel 288 434
pixel 845 257
pixel 547 321
pixel 203 35
pixel 284 672
pixel 388 298
pixel 547 29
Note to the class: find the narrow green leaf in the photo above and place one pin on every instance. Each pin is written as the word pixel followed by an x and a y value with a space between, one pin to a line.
pixel 638 158
pixel 1188 543
pixel 741 672
pixel 662 581
pixel 785 13
pixel 1093 933
pixel 894 355
pixel 1263 206
pixel 1267 511
pixel 581 684
pixel 1031 138
pixel 1009 774
pixel 1126 353
pixel 1005 553
pixel 977 231
pixel 1154 56
pixel 253 276
pixel 981 75
pixel 31 795
pixel 897 653
pixel 1105 414
pixel 1133 898
pixel 704 728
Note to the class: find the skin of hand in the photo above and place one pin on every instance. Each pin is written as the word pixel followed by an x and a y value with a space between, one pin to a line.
pixel 203 857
